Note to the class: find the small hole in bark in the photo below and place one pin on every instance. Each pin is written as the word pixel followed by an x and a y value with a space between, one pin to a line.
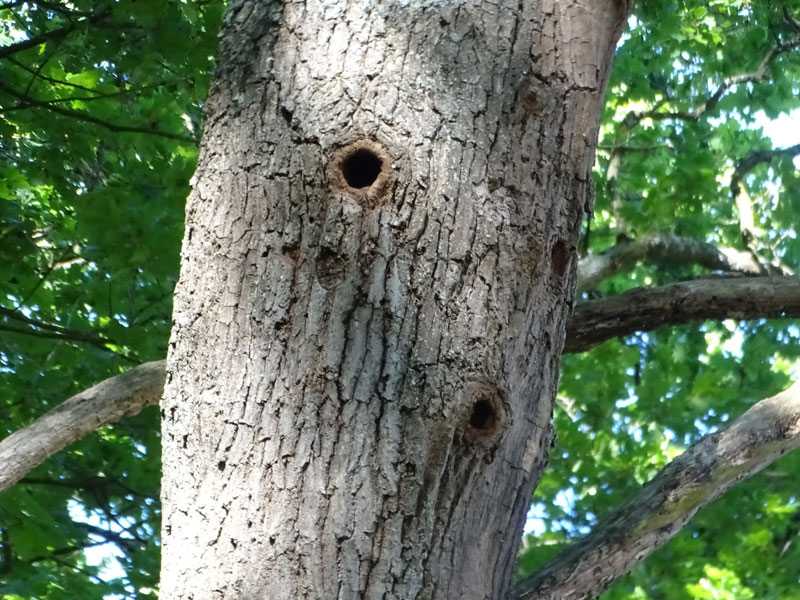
pixel 558 258
pixel 486 418
pixel 221 465
pixel 361 168
pixel 364 170
pixel 291 251
pixel 483 416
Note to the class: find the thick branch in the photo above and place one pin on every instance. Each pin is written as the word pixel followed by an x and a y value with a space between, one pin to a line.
pixel 645 309
pixel 592 323
pixel 665 504
pixel 667 248
pixel 108 401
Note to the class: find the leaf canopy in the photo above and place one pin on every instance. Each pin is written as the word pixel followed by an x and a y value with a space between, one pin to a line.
pixel 100 115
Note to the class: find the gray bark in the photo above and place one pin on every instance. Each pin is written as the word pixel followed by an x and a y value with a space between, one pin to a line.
pixel 647 521
pixel 668 248
pixel 106 402
pixel 592 323
pixel 361 372
pixel 645 309
pixel 641 525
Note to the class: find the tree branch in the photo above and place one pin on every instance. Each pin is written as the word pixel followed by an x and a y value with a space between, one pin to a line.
pixel 120 396
pixel 657 247
pixel 52 80
pixel 744 203
pixel 645 309
pixel 752 160
pixel 54 335
pixel 592 323
pixel 53 34
pixel 662 507
pixel 705 471
pixel 758 75
pixel 27 101
pixel 61 331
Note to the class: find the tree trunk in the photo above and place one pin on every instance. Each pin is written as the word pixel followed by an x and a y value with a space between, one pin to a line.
pixel 378 256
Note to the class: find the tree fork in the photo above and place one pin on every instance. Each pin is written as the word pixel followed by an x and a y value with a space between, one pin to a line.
pixel 379 250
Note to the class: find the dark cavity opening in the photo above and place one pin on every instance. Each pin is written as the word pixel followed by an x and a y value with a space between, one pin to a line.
pixel 361 168
pixel 558 258
pixel 483 416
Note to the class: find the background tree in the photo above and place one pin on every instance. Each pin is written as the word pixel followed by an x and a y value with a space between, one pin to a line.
pixel 96 156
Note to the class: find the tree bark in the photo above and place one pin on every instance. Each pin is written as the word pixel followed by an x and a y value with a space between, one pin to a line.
pixel 663 506
pixel 379 252
pixel 110 400
pixel 669 248
pixel 592 323
pixel 645 309
pixel 647 521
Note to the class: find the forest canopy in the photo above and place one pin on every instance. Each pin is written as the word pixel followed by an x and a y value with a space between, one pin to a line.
pixel 100 120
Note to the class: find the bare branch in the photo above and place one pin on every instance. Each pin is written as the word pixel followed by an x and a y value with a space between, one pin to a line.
pixel 645 309
pixel 658 247
pixel 110 400
pixel 664 505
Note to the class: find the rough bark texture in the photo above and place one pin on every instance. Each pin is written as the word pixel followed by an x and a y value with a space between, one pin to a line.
pixel 645 309
pixel 767 431
pixel 591 324
pixel 108 401
pixel 378 256
pixel 668 248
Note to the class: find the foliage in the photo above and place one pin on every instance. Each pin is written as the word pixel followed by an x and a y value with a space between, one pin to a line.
pixel 667 157
pixel 99 118
pixel 99 115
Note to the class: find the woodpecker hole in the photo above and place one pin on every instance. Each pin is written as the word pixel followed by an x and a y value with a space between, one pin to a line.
pixel 486 416
pixel 483 416
pixel 559 258
pixel 361 168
